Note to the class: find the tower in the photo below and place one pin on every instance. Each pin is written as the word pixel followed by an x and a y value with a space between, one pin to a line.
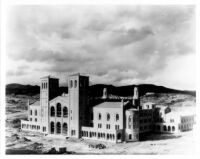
pixel 78 102
pixel 48 90
pixel 105 94
pixel 136 99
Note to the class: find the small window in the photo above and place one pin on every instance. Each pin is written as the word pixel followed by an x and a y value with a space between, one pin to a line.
pixel 71 84
pixel 108 117
pixel 35 112
pixel 35 119
pixel 99 116
pixel 117 117
pixel 30 112
pixel 30 119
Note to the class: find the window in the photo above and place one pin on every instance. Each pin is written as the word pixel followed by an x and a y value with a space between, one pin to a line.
pixel 117 117
pixel 65 128
pixel 35 119
pixel 130 136
pixel 116 127
pixel 58 110
pixel 65 112
pixel 30 112
pixel 71 84
pixel 52 127
pixel 108 117
pixel 58 128
pixel 30 119
pixel 35 112
pixel 99 116
pixel 99 125
pixel 107 126
pixel 44 129
pixel 75 84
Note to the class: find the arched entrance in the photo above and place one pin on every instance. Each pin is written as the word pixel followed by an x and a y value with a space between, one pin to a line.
pixel 58 127
pixel 52 127
pixel 65 112
pixel 65 128
pixel 169 128
pixel 52 111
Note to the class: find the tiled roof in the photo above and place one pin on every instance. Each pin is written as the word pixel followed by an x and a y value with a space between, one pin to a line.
pixel 109 105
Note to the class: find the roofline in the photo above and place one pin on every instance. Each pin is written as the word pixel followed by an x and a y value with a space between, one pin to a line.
pixel 78 74
pixel 49 76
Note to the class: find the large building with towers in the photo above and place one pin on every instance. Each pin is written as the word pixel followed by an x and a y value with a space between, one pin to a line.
pixel 115 121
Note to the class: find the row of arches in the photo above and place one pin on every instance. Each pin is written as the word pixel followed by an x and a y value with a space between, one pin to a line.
pixel 98 135
pixel 108 116
pixel 165 128
pixel 168 128
pixel 59 111
pixel 56 128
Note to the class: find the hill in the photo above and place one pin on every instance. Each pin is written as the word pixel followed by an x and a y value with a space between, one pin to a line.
pixel 97 90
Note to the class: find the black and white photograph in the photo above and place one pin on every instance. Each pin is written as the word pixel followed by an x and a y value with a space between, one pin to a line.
pixel 100 79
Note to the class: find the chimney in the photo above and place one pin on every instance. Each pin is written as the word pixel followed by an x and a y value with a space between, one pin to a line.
pixel 105 93
pixel 122 102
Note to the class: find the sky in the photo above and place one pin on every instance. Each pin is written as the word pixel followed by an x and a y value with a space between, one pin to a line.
pixel 117 45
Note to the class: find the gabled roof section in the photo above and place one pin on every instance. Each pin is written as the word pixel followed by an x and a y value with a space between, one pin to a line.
pixel 63 98
pixel 37 103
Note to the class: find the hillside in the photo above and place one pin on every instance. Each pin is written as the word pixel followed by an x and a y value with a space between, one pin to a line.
pixel 97 90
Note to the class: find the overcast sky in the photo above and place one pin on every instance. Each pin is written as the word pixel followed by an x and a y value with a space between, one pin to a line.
pixel 116 45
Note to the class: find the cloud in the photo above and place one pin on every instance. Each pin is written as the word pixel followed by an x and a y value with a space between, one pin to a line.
pixel 113 44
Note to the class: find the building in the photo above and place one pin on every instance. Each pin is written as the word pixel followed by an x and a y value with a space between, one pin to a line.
pixel 109 120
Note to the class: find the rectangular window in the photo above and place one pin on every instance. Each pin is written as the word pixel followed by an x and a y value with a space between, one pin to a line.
pixel 108 126
pixel 35 119
pixel 30 119
pixel 99 125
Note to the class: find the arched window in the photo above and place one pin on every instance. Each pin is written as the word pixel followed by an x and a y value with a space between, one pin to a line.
pixel 108 117
pixel 99 116
pixel 65 128
pixel 52 127
pixel 164 128
pixel 117 117
pixel 65 112
pixel 75 84
pixel 169 128
pixel 58 128
pixel 35 112
pixel 58 110
pixel 52 111
pixel 173 128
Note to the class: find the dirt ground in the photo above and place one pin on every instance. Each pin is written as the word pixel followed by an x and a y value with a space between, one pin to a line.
pixel 19 142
